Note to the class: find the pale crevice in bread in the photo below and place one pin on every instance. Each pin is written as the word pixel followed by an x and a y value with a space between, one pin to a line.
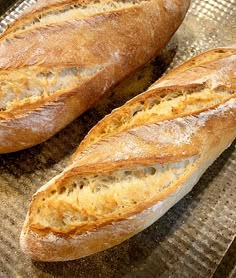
pixel 201 60
pixel 216 73
pixel 83 200
pixel 157 106
pixel 29 85
pixel 73 10
pixel 161 141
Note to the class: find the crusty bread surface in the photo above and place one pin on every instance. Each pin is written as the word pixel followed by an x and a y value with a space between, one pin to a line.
pixel 137 162
pixel 60 57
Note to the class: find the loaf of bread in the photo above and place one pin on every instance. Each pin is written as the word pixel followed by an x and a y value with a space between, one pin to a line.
pixel 61 56
pixel 137 162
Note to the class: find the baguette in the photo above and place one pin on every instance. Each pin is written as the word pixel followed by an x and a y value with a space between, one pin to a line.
pixel 137 162
pixel 60 57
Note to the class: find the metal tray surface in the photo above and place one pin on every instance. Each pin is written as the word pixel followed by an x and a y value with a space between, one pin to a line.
pixel 193 239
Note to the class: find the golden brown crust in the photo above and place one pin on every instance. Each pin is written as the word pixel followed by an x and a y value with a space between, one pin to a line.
pixel 114 41
pixel 199 136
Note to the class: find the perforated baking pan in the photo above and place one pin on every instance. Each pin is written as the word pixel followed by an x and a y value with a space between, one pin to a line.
pixel 194 239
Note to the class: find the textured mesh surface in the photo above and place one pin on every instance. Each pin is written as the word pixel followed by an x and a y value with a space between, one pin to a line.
pixel 193 239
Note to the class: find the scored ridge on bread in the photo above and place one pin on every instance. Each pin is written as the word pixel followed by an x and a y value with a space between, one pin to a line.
pixel 135 164
pixel 156 106
pixel 68 10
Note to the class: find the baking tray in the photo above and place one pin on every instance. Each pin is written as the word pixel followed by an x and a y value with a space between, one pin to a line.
pixel 193 239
